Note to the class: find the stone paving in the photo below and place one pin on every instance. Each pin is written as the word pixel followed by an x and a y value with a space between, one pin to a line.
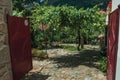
pixel 66 65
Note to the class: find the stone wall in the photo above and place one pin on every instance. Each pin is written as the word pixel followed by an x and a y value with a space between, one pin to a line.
pixel 5 63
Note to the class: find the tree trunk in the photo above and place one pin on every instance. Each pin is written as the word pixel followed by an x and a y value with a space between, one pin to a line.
pixel 78 47
pixel 51 41
pixel 82 42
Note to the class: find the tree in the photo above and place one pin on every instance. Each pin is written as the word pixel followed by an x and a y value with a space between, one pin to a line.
pixel 65 22
pixel 81 3
pixel 22 4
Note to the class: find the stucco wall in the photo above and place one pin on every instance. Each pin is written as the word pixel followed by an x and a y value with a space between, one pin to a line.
pixel 115 4
pixel 5 63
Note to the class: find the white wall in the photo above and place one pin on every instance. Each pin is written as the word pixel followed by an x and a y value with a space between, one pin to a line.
pixel 118 56
pixel 115 4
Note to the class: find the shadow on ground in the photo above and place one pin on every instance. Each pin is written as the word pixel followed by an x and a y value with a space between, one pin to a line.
pixel 85 57
pixel 36 76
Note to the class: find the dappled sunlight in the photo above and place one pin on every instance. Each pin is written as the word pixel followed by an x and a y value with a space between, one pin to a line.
pixel 67 64
pixel 86 57
pixel 36 76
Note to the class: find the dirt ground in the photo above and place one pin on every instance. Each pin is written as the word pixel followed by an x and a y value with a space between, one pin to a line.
pixel 67 65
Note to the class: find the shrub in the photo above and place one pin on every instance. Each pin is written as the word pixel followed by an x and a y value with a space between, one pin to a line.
pixel 103 64
pixel 39 53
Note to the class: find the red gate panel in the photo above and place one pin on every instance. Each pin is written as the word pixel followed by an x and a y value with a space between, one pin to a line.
pixel 20 46
pixel 112 44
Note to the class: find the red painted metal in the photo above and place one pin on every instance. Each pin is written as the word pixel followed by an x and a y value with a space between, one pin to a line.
pixel 20 46
pixel 113 27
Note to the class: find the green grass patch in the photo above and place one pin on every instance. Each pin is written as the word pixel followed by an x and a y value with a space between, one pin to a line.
pixel 70 48
pixel 103 64
pixel 39 53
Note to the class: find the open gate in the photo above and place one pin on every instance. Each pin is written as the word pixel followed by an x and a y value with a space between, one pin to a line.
pixel 112 48
pixel 20 46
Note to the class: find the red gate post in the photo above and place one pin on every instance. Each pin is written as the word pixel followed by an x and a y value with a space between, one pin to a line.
pixel 112 48
pixel 117 76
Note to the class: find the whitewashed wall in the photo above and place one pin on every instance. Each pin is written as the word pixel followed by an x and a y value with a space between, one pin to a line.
pixel 115 4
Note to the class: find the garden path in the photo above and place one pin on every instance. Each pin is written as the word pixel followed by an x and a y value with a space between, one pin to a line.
pixel 67 65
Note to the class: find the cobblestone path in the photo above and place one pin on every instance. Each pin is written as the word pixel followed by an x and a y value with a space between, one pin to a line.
pixel 66 65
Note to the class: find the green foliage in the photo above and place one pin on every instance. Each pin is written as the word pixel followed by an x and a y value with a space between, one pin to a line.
pixel 24 13
pixel 23 4
pixel 70 48
pixel 80 3
pixel 103 64
pixel 17 13
pixel 66 24
pixel 38 53
pixel 96 23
